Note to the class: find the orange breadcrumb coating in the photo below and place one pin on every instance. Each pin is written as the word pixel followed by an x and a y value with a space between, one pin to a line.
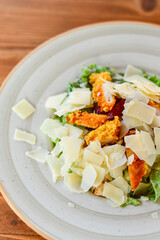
pixel 99 190
pixel 137 170
pixel 105 101
pixel 90 120
pixel 108 132
pixel 95 78
pixel 154 104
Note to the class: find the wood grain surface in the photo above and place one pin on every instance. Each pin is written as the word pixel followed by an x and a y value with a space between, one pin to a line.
pixel 24 24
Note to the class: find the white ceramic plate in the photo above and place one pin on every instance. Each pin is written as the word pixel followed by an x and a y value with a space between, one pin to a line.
pixel 28 186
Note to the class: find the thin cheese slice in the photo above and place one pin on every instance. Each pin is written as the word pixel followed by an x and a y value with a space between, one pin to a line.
pixel 71 148
pixel 61 131
pixel 91 157
pixel 131 70
pixel 100 175
pixel 148 143
pixel 77 170
pixel 135 109
pixel 116 155
pixel 40 154
pixel 54 101
pixel 139 96
pixel 117 172
pixel 23 109
pixel 89 176
pixel 155 122
pixel 48 127
pixel 56 150
pixel 157 139
pixel 73 182
pixel 113 193
pixel 95 146
pixel 74 131
pixel 80 97
pixel 55 166
pixel 66 108
pixel 134 142
pixel 131 122
pixel 130 160
pixel 125 89
pixel 121 184
pixel 141 81
pixel 23 136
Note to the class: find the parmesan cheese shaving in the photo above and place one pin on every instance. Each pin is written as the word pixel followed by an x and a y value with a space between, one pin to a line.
pixel 148 85
pixel 130 160
pixel 121 184
pixel 131 70
pixel 71 148
pixel 55 166
pixel 148 143
pixel 23 109
pixel 157 139
pixel 89 176
pixel 56 150
pixel 54 101
pixel 113 193
pixel 48 127
pixel 23 136
pixel 135 109
pixel 91 157
pixel 80 97
pixel 74 131
pixel 117 172
pixel 116 155
pixel 40 154
pixel 100 175
pixel 73 182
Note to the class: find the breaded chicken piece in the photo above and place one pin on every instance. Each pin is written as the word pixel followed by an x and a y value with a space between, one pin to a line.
pixel 137 170
pixel 90 120
pixel 99 190
pixel 106 133
pixel 105 100
pixel 96 78
pixel 154 104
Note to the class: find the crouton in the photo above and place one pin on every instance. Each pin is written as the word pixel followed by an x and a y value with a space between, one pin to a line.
pixel 90 120
pixel 107 133
pixel 154 104
pixel 137 170
pixel 104 100
pixel 99 190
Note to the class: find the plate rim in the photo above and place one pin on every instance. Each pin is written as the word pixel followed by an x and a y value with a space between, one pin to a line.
pixel 58 36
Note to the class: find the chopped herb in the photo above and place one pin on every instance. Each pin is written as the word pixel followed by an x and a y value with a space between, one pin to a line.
pixel 57 140
pixel 62 119
pixel 60 154
pixel 69 171
pixel 131 201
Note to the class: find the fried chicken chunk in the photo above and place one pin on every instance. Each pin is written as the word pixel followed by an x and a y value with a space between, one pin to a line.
pixel 105 100
pixel 137 170
pixel 107 133
pixel 154 104
pixel 99 190
pixel 90 120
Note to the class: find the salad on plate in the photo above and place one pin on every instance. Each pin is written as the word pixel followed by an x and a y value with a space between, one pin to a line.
pixel 105 135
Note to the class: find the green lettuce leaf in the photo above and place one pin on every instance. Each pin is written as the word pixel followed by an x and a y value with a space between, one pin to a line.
pixel 131 201
pixel 154 191
pixel 153 78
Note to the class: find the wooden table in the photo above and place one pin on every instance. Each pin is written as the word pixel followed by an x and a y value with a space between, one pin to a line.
pixel 24 24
